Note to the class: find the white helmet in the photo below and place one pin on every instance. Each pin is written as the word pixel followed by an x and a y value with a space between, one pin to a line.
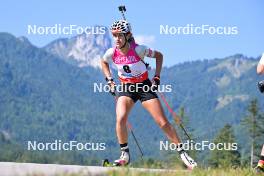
pixel 120 26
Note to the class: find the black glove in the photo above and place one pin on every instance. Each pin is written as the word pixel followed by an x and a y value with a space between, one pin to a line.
pixel 155 82
pixel 261 86
pixel 111 84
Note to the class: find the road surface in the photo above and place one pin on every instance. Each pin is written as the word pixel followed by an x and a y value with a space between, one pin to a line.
pixel 28 169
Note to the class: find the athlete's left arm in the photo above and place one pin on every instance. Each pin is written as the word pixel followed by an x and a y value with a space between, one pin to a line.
pixel 144 51
pixel 159 60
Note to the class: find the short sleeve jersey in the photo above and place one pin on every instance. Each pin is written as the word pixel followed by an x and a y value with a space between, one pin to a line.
pixel 131 68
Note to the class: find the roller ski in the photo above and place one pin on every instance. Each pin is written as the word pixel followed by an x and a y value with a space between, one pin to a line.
pixel 124 160
pixel 107 163
pixel 260 167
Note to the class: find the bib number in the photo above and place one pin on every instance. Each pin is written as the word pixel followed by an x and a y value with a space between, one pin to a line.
pixel 126 69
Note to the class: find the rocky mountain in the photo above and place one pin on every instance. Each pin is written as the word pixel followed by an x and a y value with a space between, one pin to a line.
pixel 82 50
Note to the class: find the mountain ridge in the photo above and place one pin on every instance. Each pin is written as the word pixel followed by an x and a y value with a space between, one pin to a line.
pixel 43 97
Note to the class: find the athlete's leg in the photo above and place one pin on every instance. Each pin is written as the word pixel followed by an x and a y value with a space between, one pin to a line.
pixel 123 107
pixel 154 107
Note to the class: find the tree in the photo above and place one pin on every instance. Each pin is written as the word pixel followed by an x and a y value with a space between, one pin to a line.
pixel 227 155
pixel 253 122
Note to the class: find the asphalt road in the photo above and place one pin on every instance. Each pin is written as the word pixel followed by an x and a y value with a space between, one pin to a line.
pixel 32 169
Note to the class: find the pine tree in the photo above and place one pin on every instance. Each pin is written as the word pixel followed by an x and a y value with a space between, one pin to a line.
pixel 254 125
pixel 227 155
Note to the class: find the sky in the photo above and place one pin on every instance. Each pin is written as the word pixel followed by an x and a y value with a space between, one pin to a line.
pixel 244 18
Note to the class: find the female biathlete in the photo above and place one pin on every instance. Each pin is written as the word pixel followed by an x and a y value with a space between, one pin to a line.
pixel 133 75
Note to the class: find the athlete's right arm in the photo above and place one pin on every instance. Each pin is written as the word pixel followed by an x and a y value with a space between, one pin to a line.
pixel 105 63
pixel 260 67
pixel 106 69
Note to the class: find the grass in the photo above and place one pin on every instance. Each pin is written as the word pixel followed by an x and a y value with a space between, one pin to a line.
pixel 159 172
pixel 196 172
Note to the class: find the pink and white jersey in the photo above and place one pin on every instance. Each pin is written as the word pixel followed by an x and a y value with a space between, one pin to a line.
pixel 130 67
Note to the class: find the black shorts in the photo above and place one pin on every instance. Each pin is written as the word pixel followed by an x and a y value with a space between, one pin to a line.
pixel 138 91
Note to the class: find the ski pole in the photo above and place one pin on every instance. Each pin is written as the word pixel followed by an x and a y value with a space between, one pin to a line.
pixel 130 128
pixel 175 116
pixel 134 137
